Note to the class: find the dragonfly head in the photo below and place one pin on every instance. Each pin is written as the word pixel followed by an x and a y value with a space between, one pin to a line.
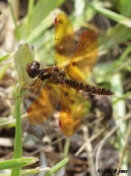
pixel 33 69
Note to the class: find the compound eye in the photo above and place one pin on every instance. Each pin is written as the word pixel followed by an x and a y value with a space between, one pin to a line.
pixel 36 65
pixel 33 69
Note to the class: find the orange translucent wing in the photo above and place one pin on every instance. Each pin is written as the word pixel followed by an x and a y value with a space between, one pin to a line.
pixel 84 58
pixel 45 104
pixel 73 109
pixel 64 40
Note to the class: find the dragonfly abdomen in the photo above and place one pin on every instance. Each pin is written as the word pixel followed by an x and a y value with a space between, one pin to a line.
pixel 88 88
pixel 97 90
pixel 75 84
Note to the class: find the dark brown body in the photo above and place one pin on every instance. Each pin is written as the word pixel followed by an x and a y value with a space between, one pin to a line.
pixel 57 77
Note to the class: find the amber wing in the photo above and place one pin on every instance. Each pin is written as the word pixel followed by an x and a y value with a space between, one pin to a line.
pixel 84 58
pixel 74 108
pixel 45 104
pixel 64 40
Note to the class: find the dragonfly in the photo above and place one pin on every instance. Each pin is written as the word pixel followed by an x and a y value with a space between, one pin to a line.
pixel 63 84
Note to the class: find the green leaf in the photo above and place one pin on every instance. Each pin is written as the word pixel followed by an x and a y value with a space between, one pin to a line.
pixel 23 56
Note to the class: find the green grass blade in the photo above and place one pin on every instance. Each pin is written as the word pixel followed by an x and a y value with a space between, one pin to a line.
pixel 38 31
pixel 19 162
pixel 6 121
pixel 66 147
pixel 57 167
pixel 18 35
pixel 3 70
pixel 125 7
pixel 112 15
pixel 42 10
pixel 2 58
pixel 30 9
pixel 18 132
pixel 120 112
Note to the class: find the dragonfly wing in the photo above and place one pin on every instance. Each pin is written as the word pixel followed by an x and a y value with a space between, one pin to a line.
pixel 45 104
pixel 64 40
pixel 84 58
pixel 73 109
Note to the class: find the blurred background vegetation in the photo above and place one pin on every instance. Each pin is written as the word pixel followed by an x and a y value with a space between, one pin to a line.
pixel 108 144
